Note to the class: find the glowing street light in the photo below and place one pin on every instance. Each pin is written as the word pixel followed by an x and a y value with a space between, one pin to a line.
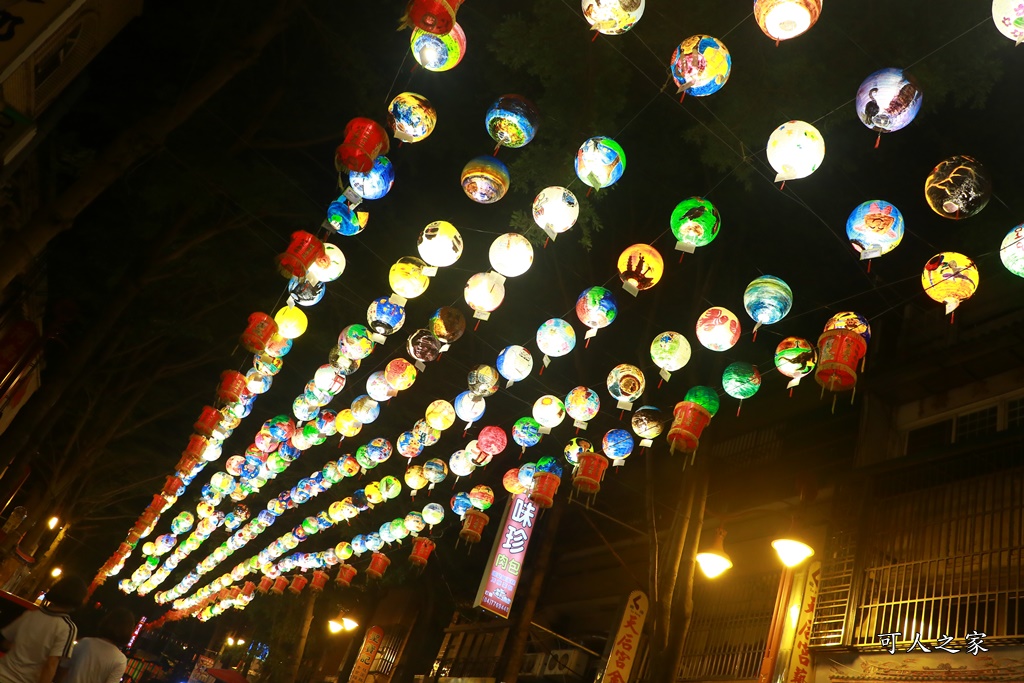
pixel 341 623
pixel 714 561
pixel 53 523
pixel 56 571
pixel 792 551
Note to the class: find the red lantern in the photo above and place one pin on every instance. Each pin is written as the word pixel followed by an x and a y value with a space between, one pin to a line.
pixel 319 580
pixel 196 446
pixel 492 440
pixel 234 593
pixel 378 565
pixel 545 487
pixel 689 423
pixel 346 573
pixel 209 418
pixel 839 351
pixel 473 524
pixel 124 550
pixel 365 140
pixel 156 505
pixel 432 16
pixel 590 472
pixel 265 584
pixel 135 534
pixel 279 585
pixel 171 487
pixel 248 589
pixel 303 252
pixel 232 386
pixel 298 583
pixel 421 549
pixel 260 330
pixel 186 464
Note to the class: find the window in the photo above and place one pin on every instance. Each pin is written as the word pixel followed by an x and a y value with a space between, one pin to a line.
pixel 976 424
pixel 1015 413
pixel 48 65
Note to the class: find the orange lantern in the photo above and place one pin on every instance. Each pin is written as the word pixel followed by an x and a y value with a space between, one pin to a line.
pixel 432 16
pixel 839 351
pixel 421 549
pixel 171 487
pixel 588 475
pixel 260 330
pixel 319 580
pixel 279 585
pixel 124 550
pixel 298 583
pixel 473 523
pixel 303 252
pixel 378 565
pixel 248 589
pixel 365 140
pixel 346 573
pixel 265 584
pixel 232 385
pixel 689 421
pixel 196 446
pixel 208 419
pixel 545 487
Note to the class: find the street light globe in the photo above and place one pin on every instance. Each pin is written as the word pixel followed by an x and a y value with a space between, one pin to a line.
pixel 334 626
pixel 349 624
pixel 231 641
pixel 792 552
pixel 53 523
pixel 714 561
pixel 56 571
pixel 240 641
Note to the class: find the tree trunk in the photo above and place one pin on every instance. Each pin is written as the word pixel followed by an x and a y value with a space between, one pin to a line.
pixel 300 646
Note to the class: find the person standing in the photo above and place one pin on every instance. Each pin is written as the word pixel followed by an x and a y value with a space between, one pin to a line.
pixel 100 660
pixel 38 640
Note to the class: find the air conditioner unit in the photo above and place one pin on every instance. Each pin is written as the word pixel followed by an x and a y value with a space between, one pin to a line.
pixel 566 665
pixel 532 666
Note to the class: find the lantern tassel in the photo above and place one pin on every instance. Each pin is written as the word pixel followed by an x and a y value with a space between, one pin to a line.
pixel 621 412
pixel 546 240
pixel 878 140
pixel 659 383
pixel 782 186
pixel 496 148
pixel 594 39
pixel 952 317
pixel 477 326
pixel 589 191
pixel 586 344
pixel 777 41
pixel 834 397
pixel 541 371
pixel 869 265
pixel 739 408
pixel 681 255
pixel 791 392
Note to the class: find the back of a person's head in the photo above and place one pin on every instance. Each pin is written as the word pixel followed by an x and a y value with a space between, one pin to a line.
pixel 117 626
pixel 67 594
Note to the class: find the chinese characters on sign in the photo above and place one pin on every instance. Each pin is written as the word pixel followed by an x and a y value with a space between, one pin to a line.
pixel 800 658
pixel 627 640
pixel 973 643
pixel 367 652
pixel 498 587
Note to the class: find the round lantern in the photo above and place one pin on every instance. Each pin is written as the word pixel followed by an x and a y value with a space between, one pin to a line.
pixel 1011 251
pixel 438 52
pixel 421 549
pixel 1008 16
pixel 440 244
pixel 582 404
pixel 617 444
pixel 596 308
pixel 670 351
pixel 795 358
pixel 575 448
pixel 291 322
pixel 950 278
pixel 718 329
pixel 484 293
pixel 795 150
pixel 957 188
pixel 612 17
pixel 305 292
pixel 469 407
pixel 448 324
pixel 378 565
pixel 473 524
pixel 461 464
pixel 511 482
pixel 549 411
pixel 701 65
pixel 492 440
pixel 423 346
pixel 640 267
pixel 432 16
pixel 588 475
pixel 695 222
pixel 875 228
pixel 344 219
pixel 512 121
pixel 514 363
pixel 526 432
pixel 433 513
pixel 482 497
pixel 399 374
pixel 647 424
pixel 327 379
pixel 840 348
pixel 440 414
pixel 355 342
pixel 435 471
pixel 483 380
pixel 375 183
pixel 329 267
pixel 556 338
pixel 853 322
pixel 411 117
pixel 378 388
pixel 888 100
pixel 364 141
pixel 414 521
pixel 741 380
pixel 626 383
pixel 407 278
pixel 785 19
pixel 409 445
pixel 384 317
pixel 511 254
pixel 767 300
pixel 555 210
pixel 461 504
pixel 600 162
pixel 485 179
pixel 415 479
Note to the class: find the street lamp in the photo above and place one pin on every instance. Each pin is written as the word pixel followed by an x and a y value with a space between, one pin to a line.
pixel 341 623
pixel 56 572
pixel 792 551
pixel 53 523
pixel 714 561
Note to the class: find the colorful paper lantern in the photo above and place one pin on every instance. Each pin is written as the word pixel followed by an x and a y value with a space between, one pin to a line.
pixel 407 278
pixel 302 252
pixel 438 52
pixel 257 333
pixel 617 444
pixel 626 384
pixel 718 329
pixel 596 308
pixel 690 417
pixel 700 65
pixel 423 346
pixel 485 179
pixel 440 244
pixel 555 210
pixel 432 16
pixel 510 481
pixel 399 374
pixel 411 117
pixel 526 432
pixel 378 565
pixel 840 348
pixel 587 477
pixel 355 342
pixel 1011 251
pixel 305 293
pixel 888 100
pixel 545 488
pixel 795 358
pixel 1008 16
pixel 482 497
pixel 378 388
pixel 950 278
pixel 492 440
pixel 461 464
pixel 795 150
pixel 875 228
pixel 344 219
pixel 848 320
pixel 291 322
pixel 695 222
pixel 741 380
pixel 473 525
pixel 647 424
pixel 515 363
pixel 384 317
pixel 582 404
pixel 469 407
pixel 511 254
pixel 600 162
pixel 785 19
pixel 421 549
pixel 375 183
pixel 958 188
pixel 556 338
pixel 549 411
pixel 433 513
pixel 576 447
pixel 440 414
pixel 767 300
pixel 484 293
pixel 448 324
pixel 670 351
pixel 483 380
pixel 640 267
pixel 365 140
pixel 612 17
pixel 512 121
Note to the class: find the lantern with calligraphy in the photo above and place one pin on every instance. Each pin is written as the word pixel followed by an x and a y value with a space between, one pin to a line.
pixel 795 150
pixel 485 179
pixel 840 347
pixel 432 16
pixel 411 117
pixel 718 329
pixel 484 293
pixel 555 210
pixel 958 187
pixel 512 121
pixel 1011 251
pixel 375 183
pixel 640 267
pixel 378 565
pixel 318 581
pixel 265 583
pixel 875 228
pixel 259 331
pixel 950 278
pixel 695 222
pixel 407 278
pixel 302 253
pixel 691 416
pixel 473 523
pixel 888 100
pixel 280 584
pixel 298 583
pixel 612 17
pixel 346 573
pixel 421 549
pixel 588 475
pixel 767 300
pixel 700 65
pixel 1008 16
pixel 785 19
pixel 795 358
pixel 546 480
pixel 438 52
pixel 365 140
pixel 600 162
pixel 582 404
pixel 231 387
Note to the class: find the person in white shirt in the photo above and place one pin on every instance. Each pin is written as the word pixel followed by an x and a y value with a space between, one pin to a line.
pixel 100 660
pixel 38 640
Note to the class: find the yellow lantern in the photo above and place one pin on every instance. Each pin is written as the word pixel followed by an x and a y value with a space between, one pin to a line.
pixel 785 19
pixel 291 322
pixel 440 415
pixel 640 267
pixel 950 278
pixel 347 424
pixel 407 278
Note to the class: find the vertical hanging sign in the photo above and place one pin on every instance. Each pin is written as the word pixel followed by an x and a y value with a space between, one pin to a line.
pixel 627 639
pixel 800 658
pixel 505 565
pixel 367 653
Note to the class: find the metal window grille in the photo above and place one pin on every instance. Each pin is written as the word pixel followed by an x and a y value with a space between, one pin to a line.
pixel 731 617
pixel 837 569
pixel 394 637
pixel 978 423
pixel 467 653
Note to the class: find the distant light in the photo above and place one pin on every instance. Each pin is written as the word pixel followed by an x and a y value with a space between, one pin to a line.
pixel 53 523
pixel 56 571
pixel 792 552
pixel 231 641
pixel 240 641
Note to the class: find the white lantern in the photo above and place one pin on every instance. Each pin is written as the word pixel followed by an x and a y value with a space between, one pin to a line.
pixel 785 19
pixel 795 150
pixel 440 244
pixel 1008 16
pixel 549 411
pixel 511 254
pixel 330 268
pixel 485 292
pixel 612 17
pixel 555 210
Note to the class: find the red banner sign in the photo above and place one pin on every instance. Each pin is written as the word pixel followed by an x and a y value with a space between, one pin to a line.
pixel 627 639
pixel 498 587
pixel 367 653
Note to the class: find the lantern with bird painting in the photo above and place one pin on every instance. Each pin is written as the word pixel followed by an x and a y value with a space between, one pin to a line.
pixel 695 223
